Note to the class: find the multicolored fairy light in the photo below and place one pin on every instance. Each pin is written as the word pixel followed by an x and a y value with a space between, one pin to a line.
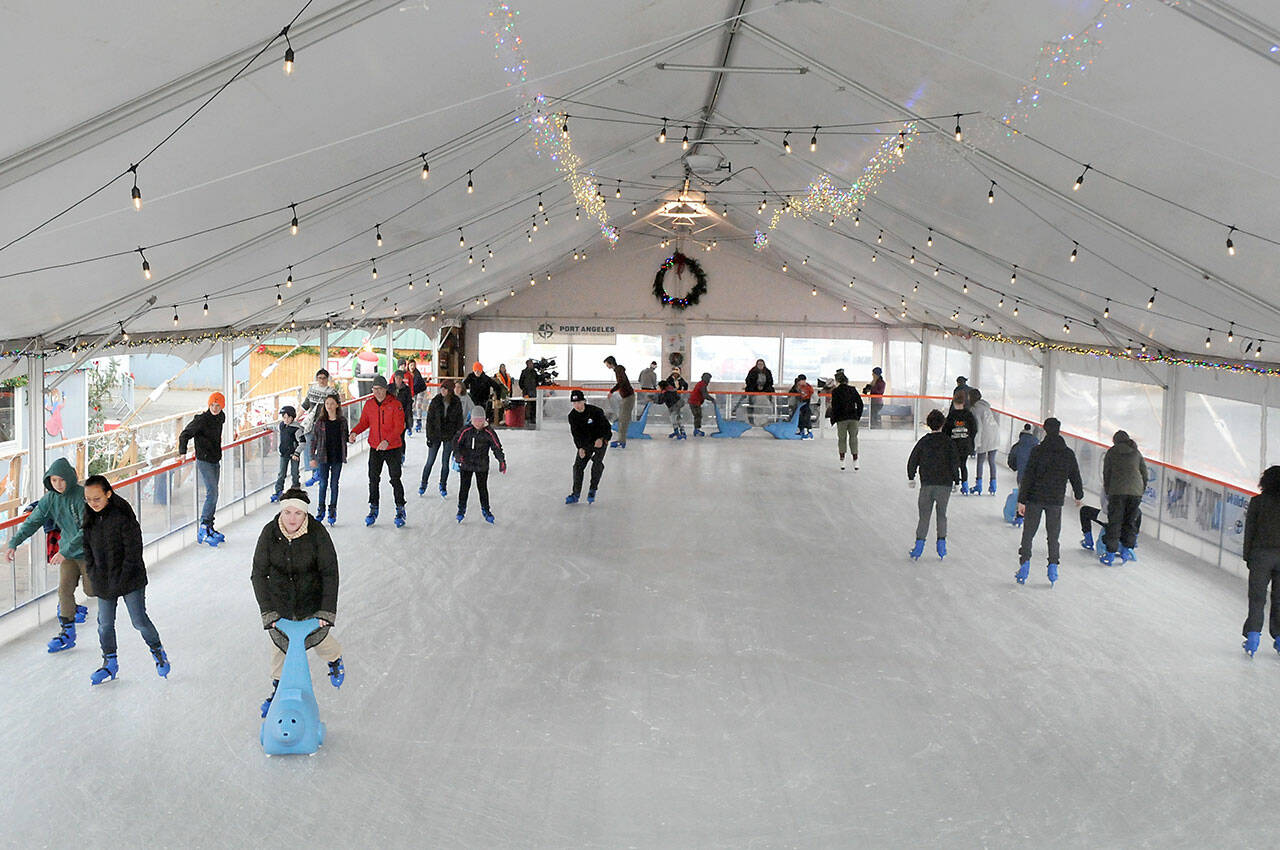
pixel 826 198
pixel 548 128
pixel 761 240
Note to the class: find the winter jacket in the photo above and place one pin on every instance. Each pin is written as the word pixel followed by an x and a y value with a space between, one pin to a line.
pixel 316 395
pixel 1021 451
pixel 320 437
pixel 936 458
pixel 846 404
pixel 759 381
pixel 1124 472
pixel 383 421
pixel 66 509
pixel 290 438
pixel 623 386
pixel 648 378
pixel 404 394
pixel 206 430
pixel 1049 468
pixel 472 447
pixel 1261 524
pixel 444 419
pixel 588 426
pixel 962 427
pixel 677 382
pixel 113 550
pixel 417 384
pixel 875 388
pixel 670 398
pixel 529 382
pixel 479 387
pixel 296 579
pixel 699 394
pixel 505 381
pixel 988 438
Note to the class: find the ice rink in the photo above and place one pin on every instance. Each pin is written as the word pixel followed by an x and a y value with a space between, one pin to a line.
pixel 729 649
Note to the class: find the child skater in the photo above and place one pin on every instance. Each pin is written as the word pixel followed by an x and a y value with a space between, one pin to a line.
pixel 471 450
pixel 936 459
pixel 668 395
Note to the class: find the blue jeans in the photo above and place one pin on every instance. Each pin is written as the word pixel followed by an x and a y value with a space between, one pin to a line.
pixel 137 604
pixel 209 473
pixel 288 463
pixel 329 474
pixel 434 449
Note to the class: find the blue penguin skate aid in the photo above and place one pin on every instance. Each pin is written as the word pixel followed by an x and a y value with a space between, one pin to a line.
pixel 293 722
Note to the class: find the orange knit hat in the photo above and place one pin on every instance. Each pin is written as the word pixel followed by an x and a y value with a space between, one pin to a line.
pixel 218 399
pixel 477 366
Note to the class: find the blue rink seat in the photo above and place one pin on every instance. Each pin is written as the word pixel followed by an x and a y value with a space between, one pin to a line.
pixel 635 431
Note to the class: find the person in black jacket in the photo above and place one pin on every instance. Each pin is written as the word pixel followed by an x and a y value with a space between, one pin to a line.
pixel 206 430
pixel 591 432
pixel 113 562
pixel 528 382
pixel 471 449
pixel 481 388
pixel 1050 466
pixel 759 380
pixel 962 426
pixel 289 442
pixel 328 454
pixel 444 421
pixel 403 392
pixel 845 413
pixel 1262 556
pixel 295 577
pixel 938 463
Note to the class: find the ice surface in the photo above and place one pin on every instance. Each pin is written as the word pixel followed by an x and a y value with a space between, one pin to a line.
pixel 729 649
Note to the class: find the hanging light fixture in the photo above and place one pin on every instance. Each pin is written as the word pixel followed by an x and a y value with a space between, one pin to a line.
pixel 1151 302
pixel 1106 309
pixel 293 225
pixel 206 305
pixel 902 143
pixel 175 315
pixel 1080 179
pixel 279 297
pixel 288 281
pixel 1231 248
pixel 146 267
pixel 959 132
pixel 564 128
pixel 662 134
pixel 411 281
pixel 1231 334
pixel 618 192
pixel 929 241
pixel 426 169
pixel 991 193
pixel 377 234
pixel 684 143
pixel 136 193
pixel 813 140
pixel 470 186
pixel 374 262
pixel 786 142
pixel 1075 251
pixel 462 243
pixel 288 52
pixel 1013 278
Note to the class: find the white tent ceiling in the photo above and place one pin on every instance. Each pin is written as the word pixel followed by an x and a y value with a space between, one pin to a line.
pixel 1173 114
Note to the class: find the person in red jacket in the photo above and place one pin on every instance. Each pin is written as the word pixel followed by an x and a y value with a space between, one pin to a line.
pixel 697 396
pixel 383 418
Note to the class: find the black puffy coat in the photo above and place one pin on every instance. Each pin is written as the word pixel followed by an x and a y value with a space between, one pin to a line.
pixel 295 579
pixel 845 404
pixel 1050 468
pixel 472 446
pixel 113 550
pixel 206 430
pixel 444 419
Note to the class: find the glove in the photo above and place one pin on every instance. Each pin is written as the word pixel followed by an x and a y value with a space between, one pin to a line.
pixel 911 484
pixel 502 467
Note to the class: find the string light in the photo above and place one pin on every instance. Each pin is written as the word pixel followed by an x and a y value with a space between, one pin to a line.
pixel 1013 278
pixel 136 193
pixel 529 236
pixel 175 315
pixel 662 134
pixel 486 301
pixel 1015 308
pixel 857 218
pixel 411 281
pixel 764 202
pixel 564 128
pixel 426 169
pixel 874 254
pixel 470 186
pixel 814 292
pixel 936 269
pixel 805 261
pixel 832 223
pixel 784 265
pixel 915 287
pixel 288 281
pixel 548 276
pixel 362 309
pixel 913 255
pixel 633 209
pixel 482 265
pixel 462 243
pixel 1075 250
pixel 1106 310
pixel 377 234
pixel 279 297
pixel 991 193
pixel 1231 334
pixel 851 280
pixel 684 143
pixel 965 289
pixel 146 267
pixel 1208 340
pixel 288 52
pixel 1000 306
pixel 124 334
pixel 880 238
pixel 1066 326
pixel 470 258
pixel 959 132
pixel 813 141
pixel 374 261
pixel 902 143
pixel 1231 248
pixel 786 142
pixel 395 309
pixel 206 305
pixel 532 282
pixel 618 192
pixel 929 241
pixel 293 323
pixel 293 225
pixel 352 306
pixel 490 250
pixel 513 291
pixel 1151 302
pixel 1080 179
pixel 844 306
pixel 877 312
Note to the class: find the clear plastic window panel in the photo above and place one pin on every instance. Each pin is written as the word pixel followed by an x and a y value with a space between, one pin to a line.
pixel 902 377
pixel 1075 403
pixel 1222 438
pixel 992 381
pixel 1273 436
pixel 514 348
pixel 818 359
pixel 633 351
pixel 1022 389
pixel 1136 408
pixel 945 365
pixel 729 358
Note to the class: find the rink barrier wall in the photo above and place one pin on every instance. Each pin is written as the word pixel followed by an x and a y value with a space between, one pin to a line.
pixel 166 502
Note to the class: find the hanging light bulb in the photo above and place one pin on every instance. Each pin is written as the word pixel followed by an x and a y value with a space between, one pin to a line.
pixel 1015 308
pixel 288 281
pixel 784 265
pixel 764 202
pixel 857 218
pixel 146 267
pixel 832 223
pixel 293 225
pixel 546 219
pixel 535 223
pixel 913 255
pixel 1151 302
pixel 352 306
pixel 377 234
pixel 902 143
pixel 124 334
pixel 512 292
pixel 426 169
pixel 874 254
pixel 175 315
pixel 955 314
pixel 532 282
pixel 1000 306
pixel 486 301
pixel 805 261
pixel 1075 251
pixel 564 128
pixel 1106 309
pixel 618 192
pixel 136 193
pixel 1208 341
pixel 1231 248
pixel 374 272
pixel 844 307
pixel 470 186
pixel 327 322
pixel 575 254
pixel 813 141
pixel 411 281
pixel 490 250
pixel 279 297
pixel 880 238
pixel 786 142
pixel 395 308
pixel 1080 179
pixel 470 258
pixel 814 291
pixel 633 209
pixel 576 213
pixel 482 265
pixel 1231 334
pixel 929 241
pixel 462 243
pixel 936 269
pixel 662 134
pixel 362 309
pixel 1066 326
pixel 851 283
pixel 965 288
pixel 684 143
pixel 959 132
pixel 288 52
pixel 991 193
pixel 292 323
pixel 548 277
pixel 206 305
pixel 915 287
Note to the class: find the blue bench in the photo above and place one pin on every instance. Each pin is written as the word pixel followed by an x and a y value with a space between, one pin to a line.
pixel 635 430
pixel 788 429
pixel 728 428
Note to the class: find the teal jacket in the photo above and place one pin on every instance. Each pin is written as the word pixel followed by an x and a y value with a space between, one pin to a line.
pixel 66 509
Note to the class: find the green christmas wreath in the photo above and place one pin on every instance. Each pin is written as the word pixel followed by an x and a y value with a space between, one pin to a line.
pixel 680 262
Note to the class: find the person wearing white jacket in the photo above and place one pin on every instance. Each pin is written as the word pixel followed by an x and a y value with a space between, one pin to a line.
pixel 988 440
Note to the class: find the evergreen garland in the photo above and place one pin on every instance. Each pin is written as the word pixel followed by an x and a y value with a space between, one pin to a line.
pixel 681 262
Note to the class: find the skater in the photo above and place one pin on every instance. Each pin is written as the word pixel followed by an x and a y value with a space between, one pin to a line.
pixel 295 577
pixel 759 380
pixel 986 443
pixel 312 407
pixel 290 441
pixel 401 389
pixel 845 413
pixel 591 432
pixel 63 502
pixel 328 455
pixel 675 408
pixel 936 459
pixel 1020 452
pixel 648 376
pixel 1262 556
pixel 875 391
pixel 697 396
pixel 444 421
pixel 677 381
pixel 481 388
pixel 113 561
pixel 503 400
pixel 804 390
pixel 1044 481
pixel 383 418
pixel 205 429
pixel 1124 480
pixel 472 448
pixel 626 401
pixel 963 428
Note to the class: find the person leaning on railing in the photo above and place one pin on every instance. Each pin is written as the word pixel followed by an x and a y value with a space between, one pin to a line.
pixel 206 430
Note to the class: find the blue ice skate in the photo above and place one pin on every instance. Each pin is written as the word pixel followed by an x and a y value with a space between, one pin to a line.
pixel 1127 555
pixel 1087 542
pixel 977 487
pixel 162 662
pixel 373 515
pixel 1024 570
pixel 488 517
pixel 333 516
pixel 591 497
pixel 1251 641
pixel 1053 574
pixel 571 499
pixel 320 514
pixel 991 487
pixel 64 639
pixel 942 547
pixel 81 613
pixel 964 488
pixel 916 550
pixel 400 516
pixel 107 672
pixel 1107 558
pixel 293 722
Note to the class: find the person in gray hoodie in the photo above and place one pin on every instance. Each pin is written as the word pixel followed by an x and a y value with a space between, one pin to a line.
pixel 1124 480
pixel 63 502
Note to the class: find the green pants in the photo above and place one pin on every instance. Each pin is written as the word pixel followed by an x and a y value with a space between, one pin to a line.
pixel 847 434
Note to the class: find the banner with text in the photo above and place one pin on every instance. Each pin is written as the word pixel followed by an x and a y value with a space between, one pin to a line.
pixel 568 333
